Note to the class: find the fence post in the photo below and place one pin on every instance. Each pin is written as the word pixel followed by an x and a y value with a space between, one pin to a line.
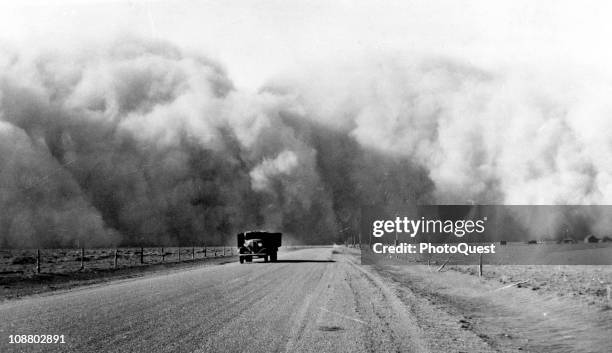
pixel 141 255
pixel 163 253
pixel 224 251
pixel 115 260
pixel 193 252
pixel 204 251
pixel 82 258
pixel 179 254
pixel 480 266
pixel 37 260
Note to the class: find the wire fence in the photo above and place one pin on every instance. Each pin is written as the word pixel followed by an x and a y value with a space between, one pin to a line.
pixel 69 260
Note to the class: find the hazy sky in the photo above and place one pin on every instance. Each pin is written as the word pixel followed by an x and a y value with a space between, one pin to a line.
pixel 258 39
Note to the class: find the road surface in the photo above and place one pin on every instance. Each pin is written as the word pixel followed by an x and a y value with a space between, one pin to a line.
pixel 312 300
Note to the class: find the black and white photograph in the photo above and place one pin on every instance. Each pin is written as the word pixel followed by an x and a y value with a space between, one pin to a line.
pixel 406 176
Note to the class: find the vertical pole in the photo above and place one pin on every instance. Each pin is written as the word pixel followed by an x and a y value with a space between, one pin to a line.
pixel 224 251
pixel 179 254
pixel 82 258
pixel 163 255
pixel 204 251
pixel 115 260
pixel 480 265
pixel 141 255
pixel 193 252
pixel 38 266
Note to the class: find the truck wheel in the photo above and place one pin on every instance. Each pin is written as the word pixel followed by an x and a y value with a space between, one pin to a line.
pixel 266 258
pixel 273 257
pixel 241 259
pixel 249 259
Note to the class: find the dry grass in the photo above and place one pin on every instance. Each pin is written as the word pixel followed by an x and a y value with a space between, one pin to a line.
pixel 22 262
pixel 585 283
pixel 61 268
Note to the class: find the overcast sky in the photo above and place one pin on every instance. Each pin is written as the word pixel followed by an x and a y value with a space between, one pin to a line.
pixel 256 40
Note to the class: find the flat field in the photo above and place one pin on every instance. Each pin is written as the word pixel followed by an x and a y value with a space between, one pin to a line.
pixel 61 268
pixel 564 270
pixel 23 261
pixel 588 283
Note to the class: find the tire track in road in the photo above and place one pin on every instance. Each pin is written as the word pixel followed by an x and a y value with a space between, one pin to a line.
pixel 390 328
pixel 307 311
pixel 266 320
pixel 416 325
pixel 189 309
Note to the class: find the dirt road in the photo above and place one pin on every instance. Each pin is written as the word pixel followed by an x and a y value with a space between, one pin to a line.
pixel 312 300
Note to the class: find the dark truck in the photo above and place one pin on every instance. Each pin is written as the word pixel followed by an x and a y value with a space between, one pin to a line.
pixel 258 244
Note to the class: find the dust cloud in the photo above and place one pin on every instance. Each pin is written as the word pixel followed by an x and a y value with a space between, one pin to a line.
pixel 140 143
